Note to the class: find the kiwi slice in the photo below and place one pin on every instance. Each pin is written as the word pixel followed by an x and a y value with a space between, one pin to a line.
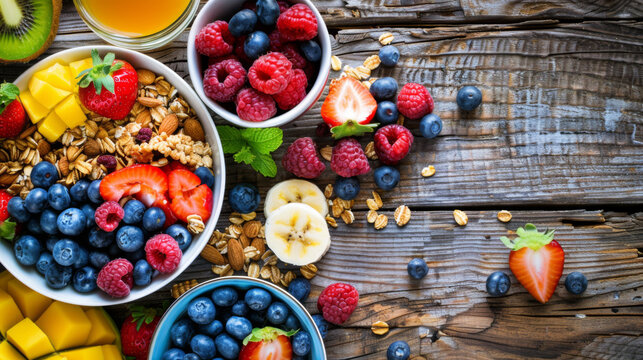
pixel 27 28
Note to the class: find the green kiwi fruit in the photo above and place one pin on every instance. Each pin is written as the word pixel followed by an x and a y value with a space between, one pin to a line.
pixel 27 28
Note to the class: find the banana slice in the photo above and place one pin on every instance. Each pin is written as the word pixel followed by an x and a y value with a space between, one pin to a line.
pixel 295 191
pixel 297 234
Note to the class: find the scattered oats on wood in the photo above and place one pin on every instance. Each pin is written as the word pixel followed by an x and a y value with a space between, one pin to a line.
pixel 328 191
pixel 386 38
pixel 308 271
pixel 181 288
pixel 402 215
pixel 250 252
pixel 372 204
pixel 326 152
pixel 220 269
pixel 331 221
pixel 367 84
pixel 428 171
pixel 369 151
pixel 380 222
pixel 348 217
pixel 235 218
pixel 400 119
pixel 372 62
pixel 504 216
pixel 267 254
pixel 377 198
pixel 379 328
pixel 253 270
pixel 260 245
pixel 275 275
pixel 265 272
pixel 371 216
pixel 363 72
pixel 337 208
pixel 271 260
pixel 249 216
pixel 335 63
pixel 460 217
pixel 287 278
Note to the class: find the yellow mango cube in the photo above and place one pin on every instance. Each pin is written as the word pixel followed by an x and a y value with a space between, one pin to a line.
pixel 111 352
pixel 31 303
pixel 8 352
pixel 54 357
pixel 29 339
pixel 102 331
pixel 65 325
pixel 88 353
pixel 79 66
pixel 33 108
pixel 46 94
pixel 5 276
pixel 11 314
pixel 70 112
pixel 52 127
pixel 57 75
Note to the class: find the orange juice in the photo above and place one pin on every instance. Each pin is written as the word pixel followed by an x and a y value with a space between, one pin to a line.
pixel 135 18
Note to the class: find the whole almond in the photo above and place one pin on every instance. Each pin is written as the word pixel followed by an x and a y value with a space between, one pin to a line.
pixel 145 76
pixel 43 147
pixel 169 124
pixel 211 254
pixel 7 179
pixel 258 244
pixel 149 101
pixel 192 128
pixel 236 256
pixel 251 228
pixel 91 148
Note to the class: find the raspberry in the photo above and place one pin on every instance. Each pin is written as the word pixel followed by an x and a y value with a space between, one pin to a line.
pixel 163 253
pixel 297 23
pixel 108 215
pixel 276 43
pixel 348 158
pixel 255 106
pixel 270 73
pixel 294 93
pixel 115 278
pixel 392 143
pixel 214 39
pixel 144 135
pixel 337 302
pixel 222 81
pixel 109 161
pixel 292 53
pixel 301 159
pixel 414 101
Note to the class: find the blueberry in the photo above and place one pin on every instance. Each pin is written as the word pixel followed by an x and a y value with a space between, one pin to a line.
pixel 240 308
pixel 258 318
pixel 191 356
pixel 258 299
pixel 58 276
pixel 238 327
pixel 142 273
pixel 153 219
pixel 469 98
pixel 134 211
pixel 386 113
pixel 129 238
pixel 417 268
pixel 322 325
pixel 65 252
pixel 299 288
pixel 225 296
pixel 89 212
pixel 201 310
pixel 498 283
pixel 291 323
pixel 206 176
pixel 301 343
pixel 242 23
pixel 27 250
pixel 78 192
pixel 576 283
pixel 181 234
pixel 36 201
pixel 277 313
pixel 398 350
pixel 268 12
pixel 181 332
pixel 84 279
pixel 44 174
pixel 244 198
pixel 82 259
pixel 430 126
pixel 48 222
pixel 43 262
pixel 58 197
pixel 17 209
pixel 173 354
pixel 203 346
pixel 227 346
pixel 99 259
pixel 386 177
pixel 93 192
pixel 256 44
pixel 34 226
pixel 311 50
pixel 71 222
pixel 212 329
pixel 384 88
pixel 99 238
pixel 389 55
pixel 347 188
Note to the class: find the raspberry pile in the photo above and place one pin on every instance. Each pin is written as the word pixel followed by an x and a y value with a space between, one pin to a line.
pixel 262 60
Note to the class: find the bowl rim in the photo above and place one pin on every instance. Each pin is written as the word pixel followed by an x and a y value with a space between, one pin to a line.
pixel 233 278
pixel 98 299
pixel 196 74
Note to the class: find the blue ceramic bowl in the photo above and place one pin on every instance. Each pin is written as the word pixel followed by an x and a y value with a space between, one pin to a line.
pixel 161 338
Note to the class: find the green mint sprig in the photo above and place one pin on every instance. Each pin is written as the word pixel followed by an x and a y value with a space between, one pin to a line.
pixel 252 147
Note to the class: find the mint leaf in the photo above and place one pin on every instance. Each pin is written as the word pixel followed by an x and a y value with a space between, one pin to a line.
pixel 8 93
pixel 245 156
pixel 265 165
pixel 230 139
pixel 263 141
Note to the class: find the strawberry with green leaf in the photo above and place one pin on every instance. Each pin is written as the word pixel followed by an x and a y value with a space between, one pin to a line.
pixel 137 331
pixel 267 343
pixel 7 227
pixel 349 108
pixel 12 114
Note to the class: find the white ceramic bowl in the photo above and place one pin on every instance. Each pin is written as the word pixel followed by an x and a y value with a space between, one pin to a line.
pixel 28 274
pixel 223 10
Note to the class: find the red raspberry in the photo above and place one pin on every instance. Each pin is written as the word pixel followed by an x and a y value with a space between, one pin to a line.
pixel 253 105
pixel 348 158
pixel 163 253
pixel 270 73
pixel 294 93
pixel 301 159
pixel 276 42
pixel 297 23
pixel 392 143
pixel 108 215
pixel 222 81
pixel 115 278
pixel 414 101
pixel 292 53
pixel 337 302
pixel 215 39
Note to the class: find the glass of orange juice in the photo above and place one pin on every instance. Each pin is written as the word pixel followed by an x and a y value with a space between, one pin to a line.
pixel 137 24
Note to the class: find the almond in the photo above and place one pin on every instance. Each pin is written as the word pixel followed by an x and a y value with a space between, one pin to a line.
pixel 169 124
pixel 236 256
pixel 149 101
pixel 145 76
pixel 251 228
pixel 91 148
pixel 7 179
pixel 144 118
pixel 258 244
pixel 211 254
pixel 43 147
pixel 192 128
pixel 63 166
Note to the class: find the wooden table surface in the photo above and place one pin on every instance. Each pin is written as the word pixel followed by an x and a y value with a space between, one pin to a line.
pixel 558 141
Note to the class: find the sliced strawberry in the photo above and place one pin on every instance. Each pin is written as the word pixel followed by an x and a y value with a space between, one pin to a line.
pixel 267 344
pixel 151 198
pixel 197 201
pixel 131 180
pixel 173 165
pixel 347 100
pixel 182 180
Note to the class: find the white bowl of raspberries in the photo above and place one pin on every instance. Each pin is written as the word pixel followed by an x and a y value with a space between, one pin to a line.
pixel 259 63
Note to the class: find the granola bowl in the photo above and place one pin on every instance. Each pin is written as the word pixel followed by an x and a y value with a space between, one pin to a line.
pixel 179 91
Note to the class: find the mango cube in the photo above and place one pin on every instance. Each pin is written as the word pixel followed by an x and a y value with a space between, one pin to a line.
pixel 57 75
pixel 79 66
pixel 46 94
pixel 111 352
pixel 11 314
pixel 52 127
pixel 8 352
pixel 5 276
pixel 33 108
pixel 54 357
pixel 66 325
pixel 102 331
pixel 88 353
pixel 70 112
pixel 29 339
pixel 31 303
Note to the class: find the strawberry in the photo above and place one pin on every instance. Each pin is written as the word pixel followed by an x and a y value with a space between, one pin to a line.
pixel 537 261
pixel 12 114
pixel 119 79
pixel 267 344
pixel 350 106
pixel 189 196
pixel 137 331
pixel 173 165
pixel 7 227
